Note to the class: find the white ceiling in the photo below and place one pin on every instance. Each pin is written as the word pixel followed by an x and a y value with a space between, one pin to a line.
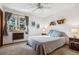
pixel 31 8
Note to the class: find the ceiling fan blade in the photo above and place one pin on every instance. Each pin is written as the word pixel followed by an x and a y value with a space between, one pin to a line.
pixel 35 9
pixel 40 6
pixel 33 5
pixel 47 7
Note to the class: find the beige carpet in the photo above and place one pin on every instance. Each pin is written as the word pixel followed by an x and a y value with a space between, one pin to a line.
pixel 65 50
pixel 16 49
pixel 23 49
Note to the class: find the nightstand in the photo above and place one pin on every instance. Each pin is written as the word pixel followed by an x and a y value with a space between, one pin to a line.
pixel 74 43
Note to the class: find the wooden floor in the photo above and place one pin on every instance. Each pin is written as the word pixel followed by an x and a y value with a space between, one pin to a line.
pixel 23 49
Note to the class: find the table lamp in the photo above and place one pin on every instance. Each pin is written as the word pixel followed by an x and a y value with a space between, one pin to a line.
pixel 44 30
pixel 75 32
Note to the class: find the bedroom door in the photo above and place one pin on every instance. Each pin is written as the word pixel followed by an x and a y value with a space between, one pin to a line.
pixel 1 28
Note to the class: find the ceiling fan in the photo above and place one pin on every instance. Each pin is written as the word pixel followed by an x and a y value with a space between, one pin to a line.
pixel 42 6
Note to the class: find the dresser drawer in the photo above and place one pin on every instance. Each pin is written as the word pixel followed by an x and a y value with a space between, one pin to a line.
pixel 75 46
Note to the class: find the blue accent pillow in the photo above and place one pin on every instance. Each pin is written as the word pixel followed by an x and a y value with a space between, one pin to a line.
pixel 54 33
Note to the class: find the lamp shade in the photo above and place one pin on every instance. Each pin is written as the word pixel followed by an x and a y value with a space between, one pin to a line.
pixel 75 30
pixel 44 30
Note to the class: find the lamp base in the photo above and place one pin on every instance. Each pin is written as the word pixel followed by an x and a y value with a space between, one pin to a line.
pixel 75 36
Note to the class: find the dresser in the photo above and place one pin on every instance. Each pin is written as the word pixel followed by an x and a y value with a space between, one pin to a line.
pixel 74 43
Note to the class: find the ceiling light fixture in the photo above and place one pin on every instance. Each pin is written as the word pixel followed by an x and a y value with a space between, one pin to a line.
pixel 42 6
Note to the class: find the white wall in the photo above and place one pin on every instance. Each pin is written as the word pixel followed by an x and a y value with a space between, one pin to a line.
pixel 72 19
pixel 41 21
pixel 45 23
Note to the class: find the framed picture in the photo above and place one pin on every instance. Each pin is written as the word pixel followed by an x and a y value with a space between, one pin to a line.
pixel 22 23
pixel 52 23
pixel 33 23
pixel 12 23
pixel 38 26
pixel 61 21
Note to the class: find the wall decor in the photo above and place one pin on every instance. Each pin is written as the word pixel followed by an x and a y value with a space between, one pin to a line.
pixel 22 23
pixel 38 26
pixel 33 23
pixel 52 23
pixel 61 21
pixel 12 23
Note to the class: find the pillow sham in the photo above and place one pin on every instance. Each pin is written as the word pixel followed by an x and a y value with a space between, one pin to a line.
pixel 54 33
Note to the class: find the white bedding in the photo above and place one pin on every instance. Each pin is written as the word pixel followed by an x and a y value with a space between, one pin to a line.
pixel 45 44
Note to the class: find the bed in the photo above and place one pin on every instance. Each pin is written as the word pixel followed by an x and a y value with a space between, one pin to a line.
pixel 44 45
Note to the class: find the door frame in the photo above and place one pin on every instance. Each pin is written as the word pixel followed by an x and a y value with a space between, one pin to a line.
pixel 1 14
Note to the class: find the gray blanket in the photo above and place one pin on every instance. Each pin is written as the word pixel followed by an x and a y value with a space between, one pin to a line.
pixel 45 44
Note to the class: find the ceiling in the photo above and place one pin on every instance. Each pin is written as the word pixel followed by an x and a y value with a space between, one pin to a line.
pixel 32 8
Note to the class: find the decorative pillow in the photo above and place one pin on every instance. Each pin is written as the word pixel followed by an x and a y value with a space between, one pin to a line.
pixel 54 33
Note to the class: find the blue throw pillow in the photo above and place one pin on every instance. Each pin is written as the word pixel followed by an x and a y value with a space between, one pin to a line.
pixel 54 33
